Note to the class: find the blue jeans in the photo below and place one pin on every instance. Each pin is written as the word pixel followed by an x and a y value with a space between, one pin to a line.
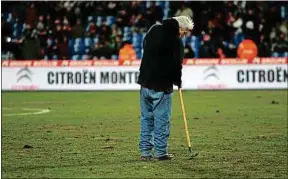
pixel 155 122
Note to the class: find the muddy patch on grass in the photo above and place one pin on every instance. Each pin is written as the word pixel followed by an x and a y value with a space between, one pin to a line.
pixel 274 102
pixel 108 147
pixel 26 146
pixel 59 127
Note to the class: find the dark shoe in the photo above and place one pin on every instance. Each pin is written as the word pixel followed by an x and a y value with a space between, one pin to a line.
pixel 146 158
pixel 166 157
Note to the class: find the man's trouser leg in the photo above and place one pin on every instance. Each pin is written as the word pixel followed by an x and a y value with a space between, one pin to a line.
pixel 162 111
pixel 147 122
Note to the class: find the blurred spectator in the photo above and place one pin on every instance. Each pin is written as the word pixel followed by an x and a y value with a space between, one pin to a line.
pixel 53 50
pixel 99 9
pixel 96 52
pixel 251 33
pixel 40 24
pixel 188 52
pixel 116 44
pixel 31 15
pixel 78 30
pixel 106 51
pixel 58 34
pixel 49 22
pixel 154 14
pixel 206 49
pixel 123 16
pixel 105 31
pixel 92 28
pixel 184 10
pixel 64 49
pixel 116 31
pixel 31 45
pixel 284 27
pixel 141 22
pixel 127 52
pixel 66 31
pixel 65 21
pixel 111 8
pixel 42 35
pixel 264 47
pixel 281 46
pixel 102 51
pixel 220 53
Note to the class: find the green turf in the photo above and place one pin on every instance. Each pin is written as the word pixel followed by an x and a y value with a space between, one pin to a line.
pixel 96 134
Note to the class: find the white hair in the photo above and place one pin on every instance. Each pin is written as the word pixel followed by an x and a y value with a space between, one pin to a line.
pixel 184 22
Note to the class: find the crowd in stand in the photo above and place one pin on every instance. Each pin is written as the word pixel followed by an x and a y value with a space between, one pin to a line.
pixel 114 30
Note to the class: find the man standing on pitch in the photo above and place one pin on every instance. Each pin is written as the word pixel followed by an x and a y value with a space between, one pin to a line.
pixel 161 67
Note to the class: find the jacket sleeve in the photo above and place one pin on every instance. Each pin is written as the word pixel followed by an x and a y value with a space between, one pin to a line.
pixel 177 65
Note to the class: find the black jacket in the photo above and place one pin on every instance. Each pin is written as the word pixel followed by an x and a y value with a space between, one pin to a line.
pixel 161 65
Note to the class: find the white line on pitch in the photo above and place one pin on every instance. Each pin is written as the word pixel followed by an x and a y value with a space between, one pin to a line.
pixel 39 111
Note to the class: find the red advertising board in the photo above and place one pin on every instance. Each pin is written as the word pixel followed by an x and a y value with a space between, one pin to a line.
pixel 81 63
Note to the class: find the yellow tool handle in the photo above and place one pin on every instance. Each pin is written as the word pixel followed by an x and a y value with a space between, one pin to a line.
pixel 184 117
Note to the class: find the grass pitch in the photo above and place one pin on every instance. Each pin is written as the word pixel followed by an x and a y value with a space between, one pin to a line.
pixel 239 134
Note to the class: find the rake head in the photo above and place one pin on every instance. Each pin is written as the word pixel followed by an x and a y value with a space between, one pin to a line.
pixel 193 153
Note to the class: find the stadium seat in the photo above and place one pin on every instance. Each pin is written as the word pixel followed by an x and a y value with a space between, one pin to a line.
pixel 88 42
pixel 96 40
pixel 184 40
pixel 138 53
pixel 137 40
pixel 18 29
pixel 49 42
pixel 70 42
pixel 4 15
pixel 195 45
pixel 75 57
pixel 114 57
pixel 99 21
pixel 195 48
pixel 87 50
pixel 76 49
pixel 188 39
pixel 78 41
pixel 166 13
pixel 127 29
pixel 55 57
pixel 275 54
pixel 238 38
pixel 110 20
pixel 9 18
pixel 148 4
pixel 90 18
pixel 23 27
pixel 84 57
pixel 167 4
pixel 87 28
pixel 283 12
